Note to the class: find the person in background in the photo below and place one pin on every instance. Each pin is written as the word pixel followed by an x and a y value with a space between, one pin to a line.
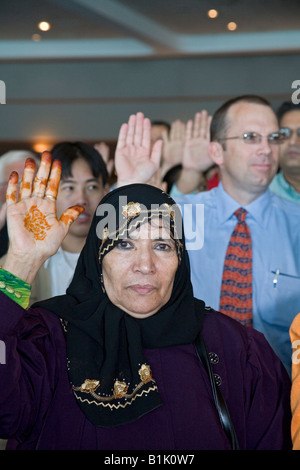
pixel 9 161
pixel 119 362
pixel 295 392
pixel 83 182
pixel 245 143
pixel 287 182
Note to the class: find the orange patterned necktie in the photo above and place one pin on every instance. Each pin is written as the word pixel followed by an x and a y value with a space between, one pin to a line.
pixel 236 289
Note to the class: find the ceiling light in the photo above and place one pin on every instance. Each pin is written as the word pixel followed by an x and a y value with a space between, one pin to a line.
pixel 40 147
pixel 212 13
pixel 44 26
pixel 232 26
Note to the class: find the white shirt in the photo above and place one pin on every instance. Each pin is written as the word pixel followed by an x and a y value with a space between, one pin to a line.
pixel 62 266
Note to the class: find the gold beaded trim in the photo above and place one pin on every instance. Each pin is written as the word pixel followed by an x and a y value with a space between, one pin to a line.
pixel 10 290
pixel 119 390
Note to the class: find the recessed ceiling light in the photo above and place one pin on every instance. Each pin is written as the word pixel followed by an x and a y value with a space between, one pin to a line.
pixel 44 26
pixel 40 147
pixel 232 26
pixel 212 13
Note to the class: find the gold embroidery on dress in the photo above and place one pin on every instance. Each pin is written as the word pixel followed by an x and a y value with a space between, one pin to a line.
pixel 119 390
pixel 105 234
pixel 145 373
pixel 89 386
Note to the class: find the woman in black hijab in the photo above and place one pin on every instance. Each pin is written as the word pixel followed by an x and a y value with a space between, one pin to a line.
pixel 88 370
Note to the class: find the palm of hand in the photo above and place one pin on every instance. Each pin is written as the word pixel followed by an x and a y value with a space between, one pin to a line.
pixel 196 154
pixel 33 228
pixel 132 161
pixel 33 225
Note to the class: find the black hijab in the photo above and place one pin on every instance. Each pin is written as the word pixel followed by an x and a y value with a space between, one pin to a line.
pixel 110 377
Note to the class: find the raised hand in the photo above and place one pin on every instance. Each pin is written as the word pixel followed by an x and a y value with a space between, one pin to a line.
pixel 196 148
pixel 173 144
pixel 135 160
pixel 34 232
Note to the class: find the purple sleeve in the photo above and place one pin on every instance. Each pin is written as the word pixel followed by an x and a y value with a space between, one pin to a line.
pixel 268 404
pixel 254 383
pixel 27 373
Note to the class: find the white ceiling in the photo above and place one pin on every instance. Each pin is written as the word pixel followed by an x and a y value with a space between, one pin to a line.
pixel 97 29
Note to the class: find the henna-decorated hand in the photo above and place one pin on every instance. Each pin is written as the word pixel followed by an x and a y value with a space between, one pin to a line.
pixel 34 232
pixel 135 161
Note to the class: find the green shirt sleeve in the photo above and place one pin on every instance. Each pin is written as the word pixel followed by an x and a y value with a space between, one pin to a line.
pixel 15 288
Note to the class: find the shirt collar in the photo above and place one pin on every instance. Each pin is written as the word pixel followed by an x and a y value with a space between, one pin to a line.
pixel 287 186
pixel 226 206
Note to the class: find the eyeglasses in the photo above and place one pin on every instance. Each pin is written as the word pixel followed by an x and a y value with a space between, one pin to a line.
pixel 276 138
pixel 289 132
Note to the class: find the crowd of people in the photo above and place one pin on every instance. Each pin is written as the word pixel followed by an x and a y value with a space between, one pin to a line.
pixel 170 320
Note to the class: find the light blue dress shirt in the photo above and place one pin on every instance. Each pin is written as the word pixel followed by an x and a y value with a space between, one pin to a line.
pixel 275 231
pixel 282 188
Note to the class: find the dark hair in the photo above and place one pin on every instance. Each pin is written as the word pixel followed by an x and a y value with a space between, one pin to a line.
pixel 69 152
pixel 172 176
pixel 286 107
pixel 219 123
pixel 161 123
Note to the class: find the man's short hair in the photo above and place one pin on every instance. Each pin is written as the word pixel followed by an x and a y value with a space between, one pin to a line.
pixel 161 123
pixel 69 152
pixel 219 123
pixel 286 107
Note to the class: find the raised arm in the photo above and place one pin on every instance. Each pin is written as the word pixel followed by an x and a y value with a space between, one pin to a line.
pixel 34 232
pixel 196 158
pixel 135 160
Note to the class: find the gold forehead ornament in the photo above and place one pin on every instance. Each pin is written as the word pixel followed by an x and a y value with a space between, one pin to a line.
pixel 132 209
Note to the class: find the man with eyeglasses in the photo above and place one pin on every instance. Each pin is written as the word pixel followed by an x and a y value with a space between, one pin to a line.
pixel 287 182
pixel 245 144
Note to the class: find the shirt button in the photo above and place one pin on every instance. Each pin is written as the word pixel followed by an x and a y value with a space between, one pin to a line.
pixel 218 379
pixel 213 357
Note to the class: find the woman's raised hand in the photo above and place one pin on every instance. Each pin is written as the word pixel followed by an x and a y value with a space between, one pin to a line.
pixel 135 160
pixel 34 232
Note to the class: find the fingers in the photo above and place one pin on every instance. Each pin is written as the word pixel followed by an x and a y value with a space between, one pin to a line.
pixel 130 130
pixel 54 179
pixel 139 130
pixel 146 136
pixel 70 215
pixel 122 136
pixel 40 181
pixel 199 127
pixel 27 178
pixel 156 153
pixel 177 130
pixel 11 193
pixel 189 130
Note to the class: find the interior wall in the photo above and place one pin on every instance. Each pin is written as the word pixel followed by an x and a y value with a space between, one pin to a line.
pixel 89 100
